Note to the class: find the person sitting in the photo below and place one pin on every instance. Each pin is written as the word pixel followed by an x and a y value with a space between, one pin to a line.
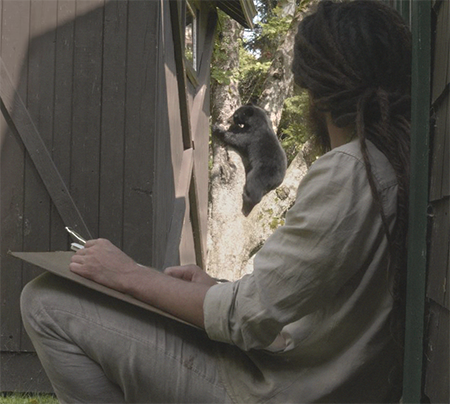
pixel 320 318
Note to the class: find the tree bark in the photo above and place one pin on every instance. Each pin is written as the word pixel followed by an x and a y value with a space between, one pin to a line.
pixel 268 215
pixel 279 83
pixel 227 173
pixel 233 239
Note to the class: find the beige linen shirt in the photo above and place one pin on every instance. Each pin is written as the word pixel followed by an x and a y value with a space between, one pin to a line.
pixel 314 317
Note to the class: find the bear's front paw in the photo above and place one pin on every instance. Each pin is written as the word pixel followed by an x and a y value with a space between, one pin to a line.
pixel 218 131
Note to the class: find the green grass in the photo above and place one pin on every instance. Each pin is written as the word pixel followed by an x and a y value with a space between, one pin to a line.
pixel 19 398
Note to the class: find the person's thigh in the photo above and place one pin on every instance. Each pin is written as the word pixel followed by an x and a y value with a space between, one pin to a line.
pixel 95 348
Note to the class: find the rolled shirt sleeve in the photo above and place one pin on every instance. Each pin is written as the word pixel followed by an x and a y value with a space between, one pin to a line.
pixel 328 236
pixel 217 304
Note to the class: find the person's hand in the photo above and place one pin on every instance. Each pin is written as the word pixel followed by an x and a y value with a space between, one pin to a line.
pixel 180 291
pixel 104 263
pixel 190 273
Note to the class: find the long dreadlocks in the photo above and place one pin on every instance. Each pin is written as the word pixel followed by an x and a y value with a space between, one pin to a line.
pixel 354 58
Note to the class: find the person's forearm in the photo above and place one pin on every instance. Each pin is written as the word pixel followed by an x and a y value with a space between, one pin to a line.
pixel 181 294
pixel 172 295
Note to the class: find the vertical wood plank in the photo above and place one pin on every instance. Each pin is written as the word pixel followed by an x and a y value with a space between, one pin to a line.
pixel 164 176
pixel 417 230
pixel 439 183
pixel 21 123
pixel 436 355
pixel 174 108
pixel 446 236
pixel 41 56
pixel 200 132
pixel 187 246
pixel 446 152
pixel 445 9
pixel 440 152
pixel 437 383
pixel 177 232
pixel 183 93
pixel 437 277
pixel 141 115
pixel 14 42
pixel 173 102
pixel 441 52
pixel 62 116
pixel 113 121
pixel 86 118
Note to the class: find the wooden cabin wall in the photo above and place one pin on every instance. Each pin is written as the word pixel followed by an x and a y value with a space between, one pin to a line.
pixel 186 254
pixel 436 358
pixel 193 239
pixel 92 75
pixel 200 115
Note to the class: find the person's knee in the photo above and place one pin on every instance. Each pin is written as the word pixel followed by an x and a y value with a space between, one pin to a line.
pixel 34 296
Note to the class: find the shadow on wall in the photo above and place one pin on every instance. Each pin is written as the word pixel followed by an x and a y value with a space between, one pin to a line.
pixel 92 78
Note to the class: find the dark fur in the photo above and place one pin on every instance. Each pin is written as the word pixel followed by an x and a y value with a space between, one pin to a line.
pixel 264 159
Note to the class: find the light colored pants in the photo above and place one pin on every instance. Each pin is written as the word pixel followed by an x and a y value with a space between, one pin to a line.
pixel 96 349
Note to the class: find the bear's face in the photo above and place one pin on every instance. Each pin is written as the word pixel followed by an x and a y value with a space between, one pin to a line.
pixel 249 114
pixel 242 115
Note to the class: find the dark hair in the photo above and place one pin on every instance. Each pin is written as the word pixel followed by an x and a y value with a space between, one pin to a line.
pixel 355 60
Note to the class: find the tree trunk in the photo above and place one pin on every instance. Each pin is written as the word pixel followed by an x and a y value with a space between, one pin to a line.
pixel 280 79
pixel 268 215
pixel 227 172
pixel 232 238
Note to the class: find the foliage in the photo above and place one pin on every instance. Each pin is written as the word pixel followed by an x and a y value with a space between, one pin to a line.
pixel 293 129
pixel 256 52
pixel 268 35
pixel 221 76
pixel 264 8
pixel 252 73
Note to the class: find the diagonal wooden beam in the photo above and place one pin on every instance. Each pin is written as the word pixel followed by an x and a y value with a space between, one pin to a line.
pixel 20 122
pixel 178 43
pixel 179 209
pixel 190 117
pixel 196 113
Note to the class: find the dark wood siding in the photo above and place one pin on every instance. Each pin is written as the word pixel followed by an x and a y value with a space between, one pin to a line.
pixel 96 77
pixel 113 122
pixel 15 32
pixel 141 115
pixel 437 320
